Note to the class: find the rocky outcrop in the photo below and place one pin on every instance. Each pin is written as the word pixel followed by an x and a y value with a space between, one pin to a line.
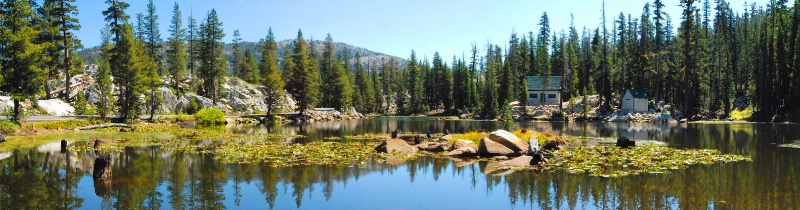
pixel 325 114
pixel 395 145
pixel 56 107
pixel 434 146
pixel 487 147
pixel 509 140
pixel 170 100
pixel 463 148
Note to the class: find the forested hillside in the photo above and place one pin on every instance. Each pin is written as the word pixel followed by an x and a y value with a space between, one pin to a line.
pixel 368 56
pixel 699 65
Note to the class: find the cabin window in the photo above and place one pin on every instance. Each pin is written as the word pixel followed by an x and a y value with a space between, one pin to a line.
pixel 533 95
pixel 551 95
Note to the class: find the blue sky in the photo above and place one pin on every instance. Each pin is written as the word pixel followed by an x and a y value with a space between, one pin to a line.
pixel 394 27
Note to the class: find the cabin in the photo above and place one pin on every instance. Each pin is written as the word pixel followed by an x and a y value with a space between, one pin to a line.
pixel 544 90
pixel 634 100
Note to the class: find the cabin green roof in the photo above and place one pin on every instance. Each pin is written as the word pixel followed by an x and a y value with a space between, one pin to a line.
pixel 638 93
pixel 544 83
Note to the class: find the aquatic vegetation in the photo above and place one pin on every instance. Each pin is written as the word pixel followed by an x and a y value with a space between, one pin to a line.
pixel 366 136
pixel 611 161
pixel 101 148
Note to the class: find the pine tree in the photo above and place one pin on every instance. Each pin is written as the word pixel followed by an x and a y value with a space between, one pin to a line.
pixel 302 83
pixel 415 85
pixel 573 61
pixel 104 90
pixel 272 81
pixel 247 68
pixel 20 54
pixel 212 61
pixel 176 54
pixel 115 16
pixel 336 90
pixel 472 93
pixel 376 93
pixel 236 54
pixel 139 30
pixel 191 48
pixel 689 52
pixel 65 14
pixel 50 34
pixel 493 64
pixel 363 98
pixel 287 65
pixel 123 60
pixel 151 33
pixel 344 89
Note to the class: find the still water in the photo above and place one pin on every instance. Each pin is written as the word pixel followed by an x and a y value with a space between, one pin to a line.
pixel 149 178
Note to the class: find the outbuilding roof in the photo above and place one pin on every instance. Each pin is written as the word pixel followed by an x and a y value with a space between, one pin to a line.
pixel 638 93
pixel 544 82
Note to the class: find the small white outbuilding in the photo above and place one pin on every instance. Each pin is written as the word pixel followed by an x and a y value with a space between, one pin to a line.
pixel 634 100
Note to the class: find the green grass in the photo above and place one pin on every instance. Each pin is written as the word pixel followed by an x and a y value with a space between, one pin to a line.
pixel 66 124
pixel 8 127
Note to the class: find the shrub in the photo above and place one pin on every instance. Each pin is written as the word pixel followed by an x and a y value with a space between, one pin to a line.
pixel 210 116
pixel 8 127
pixel 742 114
pixel 80 104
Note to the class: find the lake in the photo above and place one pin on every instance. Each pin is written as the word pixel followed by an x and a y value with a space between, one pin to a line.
pixel 149 178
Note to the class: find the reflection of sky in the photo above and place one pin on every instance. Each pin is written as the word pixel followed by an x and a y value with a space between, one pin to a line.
pixel 438 184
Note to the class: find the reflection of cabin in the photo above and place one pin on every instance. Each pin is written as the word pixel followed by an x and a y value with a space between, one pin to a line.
pixel 634 100
pixel 544 90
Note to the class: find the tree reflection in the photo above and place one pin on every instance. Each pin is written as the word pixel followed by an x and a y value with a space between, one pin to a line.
pixel 150 178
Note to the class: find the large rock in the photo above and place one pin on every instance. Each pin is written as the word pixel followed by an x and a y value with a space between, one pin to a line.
pixel 395 145
pixel 434 146
pixel 509 140
pixel 446 138
pixel 488 147
pixel 56 107
pixel 170 100
pixel 239 105
pixel 463 148
pixel 181 104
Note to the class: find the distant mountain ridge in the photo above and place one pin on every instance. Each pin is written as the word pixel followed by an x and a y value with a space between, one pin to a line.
pixel 368 57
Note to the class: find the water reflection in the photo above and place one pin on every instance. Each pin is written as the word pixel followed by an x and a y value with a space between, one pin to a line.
pixel 149 178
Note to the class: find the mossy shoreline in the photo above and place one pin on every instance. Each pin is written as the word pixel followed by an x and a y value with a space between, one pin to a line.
pixel 358 150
